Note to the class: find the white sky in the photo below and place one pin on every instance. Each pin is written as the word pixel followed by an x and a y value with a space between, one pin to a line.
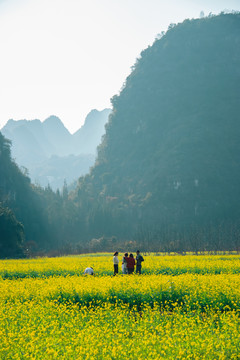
pixel 67 57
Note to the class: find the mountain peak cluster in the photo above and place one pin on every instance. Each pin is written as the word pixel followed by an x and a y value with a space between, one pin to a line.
pixel 50 152
pixel 167 171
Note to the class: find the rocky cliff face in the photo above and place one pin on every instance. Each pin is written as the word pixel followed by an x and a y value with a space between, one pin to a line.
pixel 171 149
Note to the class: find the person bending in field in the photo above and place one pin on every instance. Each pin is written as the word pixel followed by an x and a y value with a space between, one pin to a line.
pixel 89 271
pixel 115 262
pixel 124 264
pixel 139 260
pixel 130 264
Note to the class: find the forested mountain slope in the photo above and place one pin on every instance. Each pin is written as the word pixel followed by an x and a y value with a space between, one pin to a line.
pixel 170 156
pixel 18 204
pixel 33 220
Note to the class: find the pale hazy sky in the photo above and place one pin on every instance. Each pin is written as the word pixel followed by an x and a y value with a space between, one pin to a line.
pixel 67 57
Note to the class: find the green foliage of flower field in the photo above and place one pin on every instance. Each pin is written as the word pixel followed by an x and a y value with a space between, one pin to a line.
pixel 49 310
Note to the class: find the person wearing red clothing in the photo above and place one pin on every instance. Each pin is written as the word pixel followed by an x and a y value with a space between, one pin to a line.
pixel 130 264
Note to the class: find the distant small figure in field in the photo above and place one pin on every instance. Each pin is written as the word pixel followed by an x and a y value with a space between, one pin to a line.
pixel 89 271
pixel 124 264
pixel 139 260
pixel 115 262
pixel 130 264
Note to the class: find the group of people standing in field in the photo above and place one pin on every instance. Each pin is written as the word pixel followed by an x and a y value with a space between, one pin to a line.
pixel 128 263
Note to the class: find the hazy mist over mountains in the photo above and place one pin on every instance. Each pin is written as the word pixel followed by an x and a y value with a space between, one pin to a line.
pixel 167 171
pixel 50 153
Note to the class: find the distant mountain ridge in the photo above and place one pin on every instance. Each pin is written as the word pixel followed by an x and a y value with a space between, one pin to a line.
pixel 85 137
pixel 34 143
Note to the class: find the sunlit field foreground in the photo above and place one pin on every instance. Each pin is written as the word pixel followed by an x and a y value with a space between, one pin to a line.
pixel 182 307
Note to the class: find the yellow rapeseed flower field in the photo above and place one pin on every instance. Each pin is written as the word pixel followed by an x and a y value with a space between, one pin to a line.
pixel 182 307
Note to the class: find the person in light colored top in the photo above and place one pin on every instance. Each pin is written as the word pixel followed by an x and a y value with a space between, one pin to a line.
pixel 115 262
pixel 89 271
pixel 124 264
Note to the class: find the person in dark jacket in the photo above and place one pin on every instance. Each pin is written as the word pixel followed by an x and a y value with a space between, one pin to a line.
pixel 139 260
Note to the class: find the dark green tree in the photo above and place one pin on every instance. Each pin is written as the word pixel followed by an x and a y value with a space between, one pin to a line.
pixel 11 235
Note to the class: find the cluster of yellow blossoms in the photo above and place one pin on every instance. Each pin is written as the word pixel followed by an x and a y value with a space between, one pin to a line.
pixel 49 310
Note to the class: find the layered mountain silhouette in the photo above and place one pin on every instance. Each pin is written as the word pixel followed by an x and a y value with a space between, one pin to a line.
pixel 170 155
pixel 48 150
pixel 167 172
